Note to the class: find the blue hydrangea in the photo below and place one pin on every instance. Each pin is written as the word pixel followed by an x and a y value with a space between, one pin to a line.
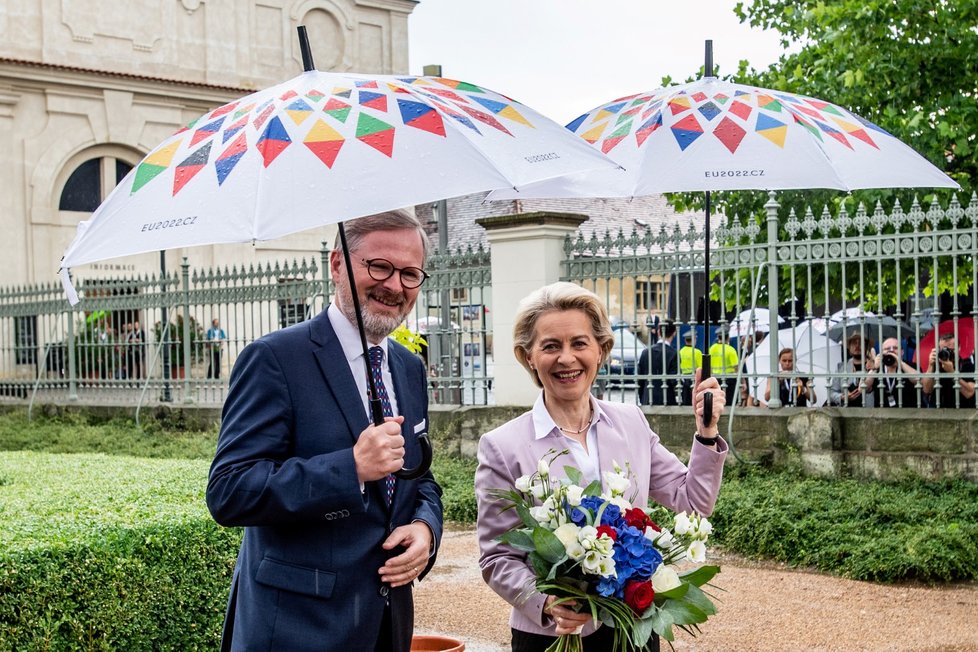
pixel 588 508
pixel 635 556
pixel 611 516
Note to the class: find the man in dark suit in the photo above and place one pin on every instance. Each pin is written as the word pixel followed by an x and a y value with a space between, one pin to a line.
pixel 656 360
pixel 332 542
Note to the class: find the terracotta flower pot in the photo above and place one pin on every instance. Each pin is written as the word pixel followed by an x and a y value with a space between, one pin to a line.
pixel 436 644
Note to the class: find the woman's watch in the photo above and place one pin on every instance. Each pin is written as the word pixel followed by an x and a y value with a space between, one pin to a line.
pixel 706 441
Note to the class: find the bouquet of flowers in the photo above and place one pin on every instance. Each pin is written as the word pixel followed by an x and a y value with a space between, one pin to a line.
pixel 609 556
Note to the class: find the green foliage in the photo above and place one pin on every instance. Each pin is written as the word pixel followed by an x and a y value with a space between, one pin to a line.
pixel 175 338
pixel 407 338
pixel 887 532
pixel 114 553
pixel 75 432
pixel 908 66
pixel 456 477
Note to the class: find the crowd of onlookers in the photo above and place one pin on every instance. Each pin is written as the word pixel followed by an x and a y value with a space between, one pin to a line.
pixel 867 376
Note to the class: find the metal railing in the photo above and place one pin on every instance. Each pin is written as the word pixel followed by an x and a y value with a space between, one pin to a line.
pixel 913 265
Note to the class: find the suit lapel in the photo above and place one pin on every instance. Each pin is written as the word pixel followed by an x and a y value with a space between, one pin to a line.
pixel 336 373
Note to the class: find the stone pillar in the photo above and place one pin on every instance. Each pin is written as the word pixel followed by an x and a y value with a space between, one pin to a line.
pixel 527 252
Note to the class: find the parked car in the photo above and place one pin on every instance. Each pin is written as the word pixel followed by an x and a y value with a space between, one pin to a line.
pixel 624 356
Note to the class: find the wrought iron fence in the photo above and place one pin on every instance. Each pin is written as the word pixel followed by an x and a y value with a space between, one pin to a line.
pixel 174 338
pixel 824 275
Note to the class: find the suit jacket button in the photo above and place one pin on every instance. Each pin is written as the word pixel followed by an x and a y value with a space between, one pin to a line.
pixel 384 590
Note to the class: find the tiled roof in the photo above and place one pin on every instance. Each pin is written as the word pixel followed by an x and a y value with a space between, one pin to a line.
pixel 605 215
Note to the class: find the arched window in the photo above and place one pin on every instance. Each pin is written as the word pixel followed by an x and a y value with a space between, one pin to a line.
pixel 91 182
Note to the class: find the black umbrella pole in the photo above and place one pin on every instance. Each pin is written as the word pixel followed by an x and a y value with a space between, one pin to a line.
pixel 376 407
pixel 707 370
pixel 304 48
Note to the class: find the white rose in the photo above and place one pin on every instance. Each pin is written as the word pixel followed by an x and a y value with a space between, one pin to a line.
pixel 696 552
pixel 683 525
pixel 543 468
pixel 665 579
pixel 567 533
pixel 574 495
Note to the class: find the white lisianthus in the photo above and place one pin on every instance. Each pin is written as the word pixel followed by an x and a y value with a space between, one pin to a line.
pixel 588 536
pixel 616 483
pixel 540 514
pixel 704 530
pixel 523 484
pixel 543 468
pixel 575 550
pixel 604 544
pixel 683 526
pixel 574 495
pixel 606 567
pixel 662 538
pixel 696 552
pixel 537 490
pixel 664 579
pixel 594 561
pixel 620 502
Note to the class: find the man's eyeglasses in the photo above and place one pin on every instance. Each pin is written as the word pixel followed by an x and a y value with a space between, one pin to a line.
pixel 381 270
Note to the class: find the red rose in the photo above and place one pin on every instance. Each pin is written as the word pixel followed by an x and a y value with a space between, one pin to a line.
pixel 655 527
pixel 610 531
pixel 639 595
pixel 637 519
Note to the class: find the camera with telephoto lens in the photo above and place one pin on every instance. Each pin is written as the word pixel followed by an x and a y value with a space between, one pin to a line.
pixel 889 360
pixel 945 354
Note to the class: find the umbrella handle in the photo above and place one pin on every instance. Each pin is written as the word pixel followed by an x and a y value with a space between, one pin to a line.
pixel 706 372
pixel 377 410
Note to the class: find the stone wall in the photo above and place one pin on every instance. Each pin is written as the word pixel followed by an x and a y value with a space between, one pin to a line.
pixel 830 442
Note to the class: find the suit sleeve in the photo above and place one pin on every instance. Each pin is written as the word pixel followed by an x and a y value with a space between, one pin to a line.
pixel 428 504
pixel 255 479
pixel 504 569
pixel 681 488
pixel 643 372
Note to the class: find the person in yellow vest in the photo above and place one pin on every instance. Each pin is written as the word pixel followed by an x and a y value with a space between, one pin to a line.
pixel 690 359
pixel 724 360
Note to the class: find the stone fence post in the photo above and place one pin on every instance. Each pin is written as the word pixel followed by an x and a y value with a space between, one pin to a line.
pixel 526 251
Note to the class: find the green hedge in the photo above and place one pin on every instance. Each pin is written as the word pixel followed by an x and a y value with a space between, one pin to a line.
pixel 109 553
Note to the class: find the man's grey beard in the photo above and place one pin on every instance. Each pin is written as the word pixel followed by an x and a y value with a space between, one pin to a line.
pixel 377 327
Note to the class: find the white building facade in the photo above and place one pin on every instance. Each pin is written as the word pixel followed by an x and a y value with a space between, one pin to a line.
pixel 89 87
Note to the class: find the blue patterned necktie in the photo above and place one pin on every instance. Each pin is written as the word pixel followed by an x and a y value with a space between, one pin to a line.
pixel 376 369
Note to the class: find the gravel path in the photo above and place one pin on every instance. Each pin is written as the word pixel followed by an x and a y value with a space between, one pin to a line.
pixel 765 606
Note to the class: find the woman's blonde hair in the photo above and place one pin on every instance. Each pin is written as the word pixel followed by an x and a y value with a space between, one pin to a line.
pixel 559 296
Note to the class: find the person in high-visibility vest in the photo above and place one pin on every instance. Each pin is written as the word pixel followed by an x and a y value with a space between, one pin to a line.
pixel 724 360
pixel 690 359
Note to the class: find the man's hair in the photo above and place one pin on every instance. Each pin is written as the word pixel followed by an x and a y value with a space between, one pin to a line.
pixel 946 336
pixel 668 328
pixel 559 297
pixel 361 227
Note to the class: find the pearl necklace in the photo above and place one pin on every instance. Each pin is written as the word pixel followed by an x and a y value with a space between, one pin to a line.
pixel 587 425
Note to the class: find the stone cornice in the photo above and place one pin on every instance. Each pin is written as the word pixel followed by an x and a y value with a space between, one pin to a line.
pixel 541 218
pixel 401 6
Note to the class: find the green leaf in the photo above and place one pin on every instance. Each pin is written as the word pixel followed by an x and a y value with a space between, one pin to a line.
pixel 642 632
pixel 518 539
pixel 548 546
pixel 696 597
pixel 683 613
pixel 524 513
pixel 662 623
pixel 593 489
pixel 541 568
pixel 672 594
pixel 700 576
pixel 573 474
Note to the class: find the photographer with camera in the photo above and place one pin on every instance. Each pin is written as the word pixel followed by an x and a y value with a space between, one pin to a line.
pixel 896 383
pixel 845 389
pixel 942 360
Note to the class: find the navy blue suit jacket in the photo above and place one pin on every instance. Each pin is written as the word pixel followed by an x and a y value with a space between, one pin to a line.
pixel 306 576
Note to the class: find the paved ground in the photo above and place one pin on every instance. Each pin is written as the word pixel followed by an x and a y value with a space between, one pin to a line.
pixel 765 607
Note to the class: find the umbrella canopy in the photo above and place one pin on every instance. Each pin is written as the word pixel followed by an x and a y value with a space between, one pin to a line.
pixel 717 135
pixel 319 149
pixel 757 320
pixel 965 339
pixel 878 327
pixel 815 356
